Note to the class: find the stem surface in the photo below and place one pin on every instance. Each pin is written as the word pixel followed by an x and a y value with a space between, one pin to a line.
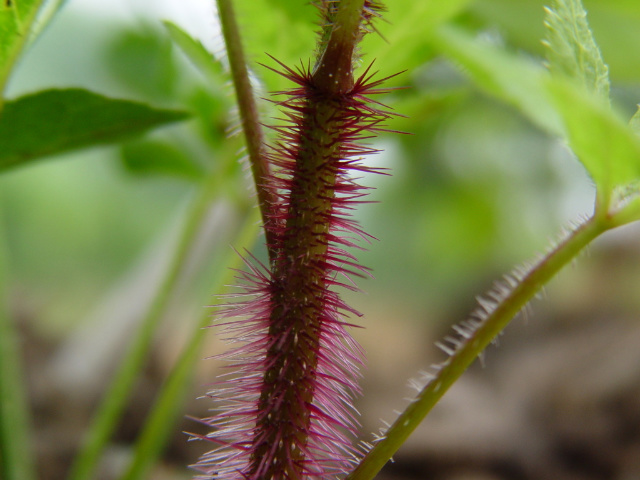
pixel 248 114
pixel 496 320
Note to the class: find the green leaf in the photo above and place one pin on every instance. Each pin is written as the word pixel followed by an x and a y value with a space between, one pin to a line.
pixel 601 140
pixel 201 58
pixel 152 157
pixel 572 49
pixel 614 23
pixel 271 26
pixel 56 121
pixel 404 31
pixel 16 19
pixel 141 58
pixel 511 78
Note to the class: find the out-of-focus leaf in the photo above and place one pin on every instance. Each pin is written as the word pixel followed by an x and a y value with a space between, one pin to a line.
pixel 273 27
pixel 291 8
pixel 16 19
pixel 405 28
pixel 55 121
pixel 142 59
pixel 212 110
pixel 201 58
pixel 614 23
pixel 514 79
pixel 601 140
pixel 401 44
pixel 520 23
pixel 154 157
pixel 286 26
pixel 572 49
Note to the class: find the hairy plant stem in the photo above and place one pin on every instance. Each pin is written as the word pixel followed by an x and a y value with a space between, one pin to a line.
pixel 627 213
pixel 298 286
pixel 299 273
pixel 497 319
pixel 286 410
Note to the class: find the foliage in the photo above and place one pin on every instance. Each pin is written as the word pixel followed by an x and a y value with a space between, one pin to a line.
pixel 72 119
pixel 443 216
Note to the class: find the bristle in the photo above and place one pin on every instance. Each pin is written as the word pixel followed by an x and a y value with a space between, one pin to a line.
pixel 313 345
pixel 286 412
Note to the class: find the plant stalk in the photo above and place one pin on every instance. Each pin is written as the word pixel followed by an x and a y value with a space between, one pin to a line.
pixel 114 402
pixel 251 126
pixel 450 370
pixel 17 459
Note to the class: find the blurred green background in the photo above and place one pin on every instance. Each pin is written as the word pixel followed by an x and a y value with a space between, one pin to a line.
pixel 474 190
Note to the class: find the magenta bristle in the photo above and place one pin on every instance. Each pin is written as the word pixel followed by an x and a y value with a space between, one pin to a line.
pixel 286 410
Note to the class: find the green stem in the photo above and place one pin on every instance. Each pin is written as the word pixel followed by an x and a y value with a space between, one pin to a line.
pixel 465 354
pixel 167 409
pixel 16 455
pixel 115 400
pixel 334 69
pixel 16 31
pixel 249 115
pixel 627 213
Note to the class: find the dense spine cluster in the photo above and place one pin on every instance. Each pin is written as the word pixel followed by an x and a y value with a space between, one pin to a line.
pixel 287 407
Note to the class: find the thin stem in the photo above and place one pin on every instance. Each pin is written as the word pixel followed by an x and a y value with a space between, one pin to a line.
pixel 167 406
pixel 16 455
pixel 627 213
pixel 115 400
pixel 16 31
pixel 497 319
pixel 249 115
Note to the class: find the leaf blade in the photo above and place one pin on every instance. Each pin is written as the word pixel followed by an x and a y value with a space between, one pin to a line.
pixel 604 144
pixel 572 49
pixel 56 121
pixel 511 78
pixel 196 52
pixel 155 157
